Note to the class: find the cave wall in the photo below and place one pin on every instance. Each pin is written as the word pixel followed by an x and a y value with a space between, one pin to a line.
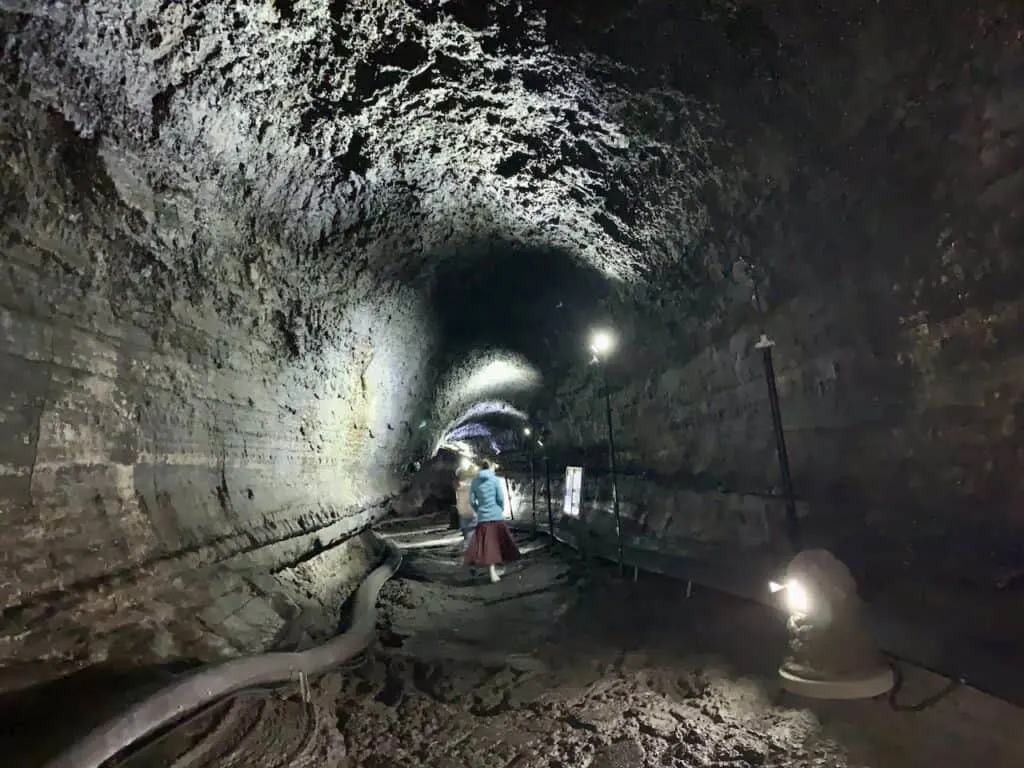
pixel 221 224
pixel 168 488
pixel 190 441
pixel 880 216
pixel 903 435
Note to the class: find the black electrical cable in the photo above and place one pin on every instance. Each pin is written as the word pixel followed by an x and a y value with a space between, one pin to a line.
pixel 925 703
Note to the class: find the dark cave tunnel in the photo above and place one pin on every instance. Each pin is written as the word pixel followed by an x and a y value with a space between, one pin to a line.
pixel 259 258
pixel 536 302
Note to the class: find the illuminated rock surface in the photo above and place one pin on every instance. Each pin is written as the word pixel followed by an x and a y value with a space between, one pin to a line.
pixel 252 254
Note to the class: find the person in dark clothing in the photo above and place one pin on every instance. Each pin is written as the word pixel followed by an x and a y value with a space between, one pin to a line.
pixel 467 517
pixel 492 543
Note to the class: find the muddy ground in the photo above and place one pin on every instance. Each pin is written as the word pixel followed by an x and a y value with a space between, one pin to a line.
pixel 561 665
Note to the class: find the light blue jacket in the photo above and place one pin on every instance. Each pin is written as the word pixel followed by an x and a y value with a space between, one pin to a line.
pixel 487 497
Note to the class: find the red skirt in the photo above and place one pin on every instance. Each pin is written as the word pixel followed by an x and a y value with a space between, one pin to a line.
pixel 492 544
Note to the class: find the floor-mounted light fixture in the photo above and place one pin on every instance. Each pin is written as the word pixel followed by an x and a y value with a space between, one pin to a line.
pixel 832 654
pixel 602 344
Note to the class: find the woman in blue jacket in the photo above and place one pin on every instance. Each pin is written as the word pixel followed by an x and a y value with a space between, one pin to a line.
pixel 492 543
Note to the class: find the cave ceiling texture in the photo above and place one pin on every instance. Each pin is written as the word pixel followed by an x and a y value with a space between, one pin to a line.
pixel 256 255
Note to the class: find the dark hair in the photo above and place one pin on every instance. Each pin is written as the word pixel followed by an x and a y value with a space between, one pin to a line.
pixel 487 464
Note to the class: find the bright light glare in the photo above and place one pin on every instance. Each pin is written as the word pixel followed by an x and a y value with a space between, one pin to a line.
pixel 798 601
pixel 602 342
pixel 797 598
pixel 499 374
pixel 457 446
pixel 526 431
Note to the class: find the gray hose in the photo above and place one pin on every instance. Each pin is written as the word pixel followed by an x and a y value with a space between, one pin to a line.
pixel 435 541
pixel 207 685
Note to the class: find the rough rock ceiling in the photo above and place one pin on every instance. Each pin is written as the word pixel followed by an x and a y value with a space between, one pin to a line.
pixel 370 133
pixel 271 164
pixel 312 153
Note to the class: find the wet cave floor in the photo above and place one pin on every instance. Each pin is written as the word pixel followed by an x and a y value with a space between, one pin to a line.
pixel 562 664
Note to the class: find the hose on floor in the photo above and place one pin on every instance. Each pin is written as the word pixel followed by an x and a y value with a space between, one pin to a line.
pixel 449 540
pixel 282 690
pixel 208 685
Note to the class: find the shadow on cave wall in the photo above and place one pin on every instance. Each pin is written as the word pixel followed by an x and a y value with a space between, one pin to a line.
pixel 39 722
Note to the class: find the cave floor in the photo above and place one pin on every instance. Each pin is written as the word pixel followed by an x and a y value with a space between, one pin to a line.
pixel 562 664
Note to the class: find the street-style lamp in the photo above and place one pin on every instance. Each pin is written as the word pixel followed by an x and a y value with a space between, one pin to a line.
pixel 527 432
pixel 547 487
pixel 765 345
pixel 602 344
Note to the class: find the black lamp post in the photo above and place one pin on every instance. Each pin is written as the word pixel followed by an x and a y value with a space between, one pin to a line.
pixel 533 475
pixel 547 492
pixel 601 344
pixel 765 344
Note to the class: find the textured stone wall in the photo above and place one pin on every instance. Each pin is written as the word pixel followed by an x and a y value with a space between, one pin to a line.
pixel 173 491
pixel 902 435
pixel 884 235
pixel 184 466
pixel 224 227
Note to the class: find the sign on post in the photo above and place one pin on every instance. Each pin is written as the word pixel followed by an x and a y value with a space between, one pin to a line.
pixel 573 491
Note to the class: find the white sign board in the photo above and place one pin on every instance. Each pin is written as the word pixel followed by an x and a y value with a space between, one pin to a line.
pixel 573 491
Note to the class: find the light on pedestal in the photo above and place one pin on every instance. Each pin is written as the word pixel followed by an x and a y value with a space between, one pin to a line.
pixel 831 652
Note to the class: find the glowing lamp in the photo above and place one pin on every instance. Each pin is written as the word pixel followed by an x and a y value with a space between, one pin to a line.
pixel 832 654
pixel 796 596
pixel 602 342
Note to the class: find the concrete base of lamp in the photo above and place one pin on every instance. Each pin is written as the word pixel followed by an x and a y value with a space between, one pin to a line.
pixel 832 655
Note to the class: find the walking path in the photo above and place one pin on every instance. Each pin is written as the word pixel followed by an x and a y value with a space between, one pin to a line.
pixel 561 665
